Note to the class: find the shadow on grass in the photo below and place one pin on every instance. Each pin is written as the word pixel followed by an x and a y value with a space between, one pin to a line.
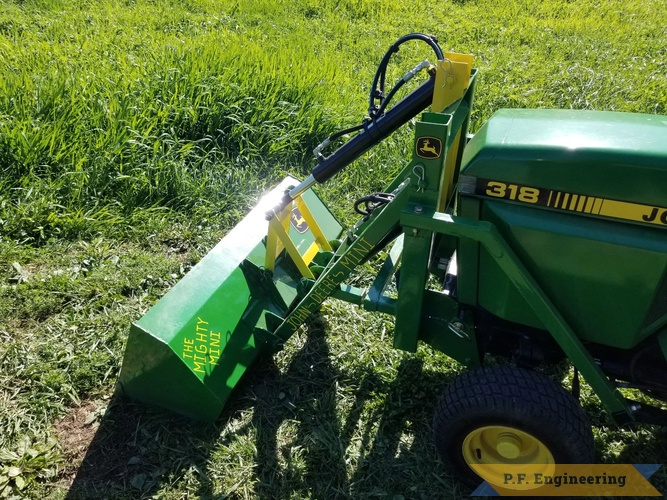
pixel 135 448
pixel 301 445
pixel 317 438
pixel 138 450
pixel 312 459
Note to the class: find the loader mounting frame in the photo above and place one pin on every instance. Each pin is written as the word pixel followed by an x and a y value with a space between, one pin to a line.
pixel 422 193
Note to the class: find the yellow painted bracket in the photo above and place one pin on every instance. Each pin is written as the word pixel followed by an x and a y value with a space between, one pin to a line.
pixel 451 81
pixel 296 215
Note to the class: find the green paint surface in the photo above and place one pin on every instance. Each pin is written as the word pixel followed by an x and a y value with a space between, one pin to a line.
pixel 191 348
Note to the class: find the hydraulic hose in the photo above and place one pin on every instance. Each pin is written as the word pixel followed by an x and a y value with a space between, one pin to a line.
pixel 380 75
pixel 373 132
pixel 378 126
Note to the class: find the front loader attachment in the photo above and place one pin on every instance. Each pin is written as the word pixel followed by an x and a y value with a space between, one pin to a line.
pixel 273 270
pixel 190 350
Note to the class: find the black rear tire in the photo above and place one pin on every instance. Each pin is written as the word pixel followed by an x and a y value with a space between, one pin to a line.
pixel 485 409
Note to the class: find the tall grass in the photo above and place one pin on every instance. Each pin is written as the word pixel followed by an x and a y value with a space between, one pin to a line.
pixel 110 107
pixel 106 121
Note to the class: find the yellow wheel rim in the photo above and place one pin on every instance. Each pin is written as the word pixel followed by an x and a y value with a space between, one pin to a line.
pixel 490 450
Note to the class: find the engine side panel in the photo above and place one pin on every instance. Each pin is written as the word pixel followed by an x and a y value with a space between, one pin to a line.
pixel 581 197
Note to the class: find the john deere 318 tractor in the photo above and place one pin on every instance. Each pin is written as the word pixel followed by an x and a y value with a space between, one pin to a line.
pixel 546 233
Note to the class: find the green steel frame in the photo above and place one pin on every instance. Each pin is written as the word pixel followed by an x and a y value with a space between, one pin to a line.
pixel 422 314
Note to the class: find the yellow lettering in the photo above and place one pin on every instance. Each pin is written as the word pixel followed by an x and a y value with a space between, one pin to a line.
pixel 187 348
pixel 319 295
pixel 199 362
pixel 347 262
pixel 496 189
pixel 294 322
pixel 301 315
pixel 201 337
pixel 529 195
pixel 201 348
pixel 365 245
pixel 201 321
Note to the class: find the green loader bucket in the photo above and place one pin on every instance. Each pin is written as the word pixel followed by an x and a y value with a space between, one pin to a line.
pixel 191 348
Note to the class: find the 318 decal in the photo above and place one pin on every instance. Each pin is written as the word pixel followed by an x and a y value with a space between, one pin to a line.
pixel 512 192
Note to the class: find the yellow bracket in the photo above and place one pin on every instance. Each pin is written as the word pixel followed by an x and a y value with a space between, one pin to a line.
pixel 292 218
pixel 451 81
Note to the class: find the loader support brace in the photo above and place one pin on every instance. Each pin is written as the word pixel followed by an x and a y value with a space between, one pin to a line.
pixel 299 216
pixel 488 236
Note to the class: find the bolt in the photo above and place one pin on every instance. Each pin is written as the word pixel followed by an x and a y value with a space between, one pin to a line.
pixel 419 209
pixel 415 232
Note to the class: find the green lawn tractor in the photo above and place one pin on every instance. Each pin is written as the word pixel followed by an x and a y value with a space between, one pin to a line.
pixel 542 238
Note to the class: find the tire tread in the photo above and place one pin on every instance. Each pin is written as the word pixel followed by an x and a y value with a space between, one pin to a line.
pixel 528 399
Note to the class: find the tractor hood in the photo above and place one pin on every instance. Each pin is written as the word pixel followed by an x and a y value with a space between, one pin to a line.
pixel 593 154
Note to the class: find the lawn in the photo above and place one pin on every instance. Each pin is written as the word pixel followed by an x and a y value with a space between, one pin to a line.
pixel 135 134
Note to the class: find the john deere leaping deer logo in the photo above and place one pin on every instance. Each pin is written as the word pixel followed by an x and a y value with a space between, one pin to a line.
pixel 298 222
pixel 429 148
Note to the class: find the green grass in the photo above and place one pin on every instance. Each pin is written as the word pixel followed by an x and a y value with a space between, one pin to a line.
pixel 135 134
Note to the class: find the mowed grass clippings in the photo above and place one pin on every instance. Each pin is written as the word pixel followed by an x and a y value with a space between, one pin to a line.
pixel 134 135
